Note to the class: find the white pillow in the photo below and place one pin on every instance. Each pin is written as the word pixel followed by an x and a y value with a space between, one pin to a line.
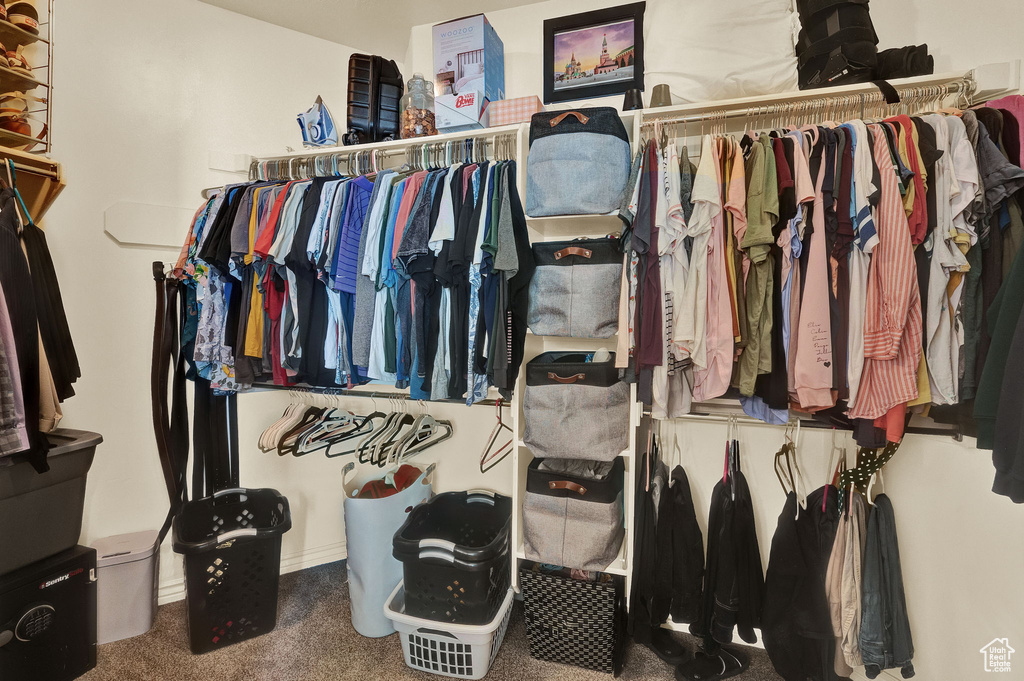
pixel 720 49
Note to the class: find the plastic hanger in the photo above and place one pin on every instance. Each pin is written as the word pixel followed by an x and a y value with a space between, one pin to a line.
pixel 383 445
pixel 871 483
pixel 289 440
pixel 425 435
pixel 319 436
pixel 489 459
pixel 835 456
pixel 268 439
pixel 363 428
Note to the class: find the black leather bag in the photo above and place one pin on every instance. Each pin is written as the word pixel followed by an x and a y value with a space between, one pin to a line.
pixel 375 88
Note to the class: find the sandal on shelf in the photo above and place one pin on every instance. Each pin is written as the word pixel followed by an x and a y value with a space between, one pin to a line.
pixel 16 102
pixel 723 664
pixel 16 61
pixel 3 10
pixel 24 15
pixel 667 648
pixel 3 54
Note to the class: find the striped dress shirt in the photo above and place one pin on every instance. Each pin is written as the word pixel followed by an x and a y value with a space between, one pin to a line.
pixel 892 325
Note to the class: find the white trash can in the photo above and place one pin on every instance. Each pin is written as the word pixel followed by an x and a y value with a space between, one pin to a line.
pixel 127 570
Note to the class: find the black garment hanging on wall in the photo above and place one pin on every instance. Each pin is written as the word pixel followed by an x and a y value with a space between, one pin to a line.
pixel 15 278
pixel 796 625
pixel 734 580
pixel 53 321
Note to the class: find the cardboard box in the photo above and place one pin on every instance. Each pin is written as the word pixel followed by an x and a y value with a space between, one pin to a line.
pixel 456 113
pixel 468 56
pixel 509 111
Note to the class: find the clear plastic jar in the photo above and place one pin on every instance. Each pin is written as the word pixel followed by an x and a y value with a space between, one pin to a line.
pixel 418 108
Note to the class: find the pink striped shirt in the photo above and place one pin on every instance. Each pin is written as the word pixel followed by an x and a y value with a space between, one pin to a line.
pixel 892 324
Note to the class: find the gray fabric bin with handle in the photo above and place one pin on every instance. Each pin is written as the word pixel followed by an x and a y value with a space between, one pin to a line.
pixel 575 409
pixel 571 518
pixel 578 164
pixel 575 288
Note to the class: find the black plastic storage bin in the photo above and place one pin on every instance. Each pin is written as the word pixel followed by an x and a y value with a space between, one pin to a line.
pixel 42 512
pixel 454 549
pixel 232 547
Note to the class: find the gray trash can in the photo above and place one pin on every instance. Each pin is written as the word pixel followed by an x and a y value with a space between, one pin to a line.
pixel 42 512
pixel 127 574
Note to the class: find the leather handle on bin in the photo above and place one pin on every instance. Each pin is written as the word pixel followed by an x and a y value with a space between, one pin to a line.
pixel 565 379
pixel 561 117
pixel 573 250
pixel 569 485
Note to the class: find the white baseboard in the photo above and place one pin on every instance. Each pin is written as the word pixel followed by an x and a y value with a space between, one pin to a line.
pixel 174 589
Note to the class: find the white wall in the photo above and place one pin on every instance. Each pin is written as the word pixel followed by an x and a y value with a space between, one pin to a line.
pixel 962 547
pixel 144 92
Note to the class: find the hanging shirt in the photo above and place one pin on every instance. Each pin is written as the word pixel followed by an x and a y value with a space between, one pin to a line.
pixel 813 365
pixel 712 381
pixel 691 312
pixel 946 257
pixel 865 238
pixel 892 334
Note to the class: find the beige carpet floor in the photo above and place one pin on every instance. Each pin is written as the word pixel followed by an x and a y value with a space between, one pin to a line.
pixel 314 641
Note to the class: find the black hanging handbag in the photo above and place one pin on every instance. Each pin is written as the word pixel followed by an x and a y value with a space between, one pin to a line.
pixel 375 89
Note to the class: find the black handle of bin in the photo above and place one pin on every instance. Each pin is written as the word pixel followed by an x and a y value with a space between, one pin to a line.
pixel 409 549
pixel 182 546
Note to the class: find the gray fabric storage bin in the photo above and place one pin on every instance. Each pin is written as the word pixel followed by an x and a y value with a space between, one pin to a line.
pixel 575 288
pixel 575 409
pixel 42 512
pixel 127 573
pixel 578 164
pixel 573 521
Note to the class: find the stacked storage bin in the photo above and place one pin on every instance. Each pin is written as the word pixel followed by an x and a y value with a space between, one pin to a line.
pixel 453 605
pixel 576 413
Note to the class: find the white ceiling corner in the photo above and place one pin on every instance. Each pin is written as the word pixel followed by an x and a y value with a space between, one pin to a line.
pixel 374 26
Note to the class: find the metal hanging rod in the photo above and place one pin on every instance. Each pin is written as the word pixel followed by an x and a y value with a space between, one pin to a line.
pixel 368 158
pixel 723 414
pixel 387 394
pixel 913 98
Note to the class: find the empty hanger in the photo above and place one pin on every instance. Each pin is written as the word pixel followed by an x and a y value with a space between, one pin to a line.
pixel 489 459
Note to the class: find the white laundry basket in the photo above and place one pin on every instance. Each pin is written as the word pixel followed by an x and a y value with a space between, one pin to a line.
pixel 462 651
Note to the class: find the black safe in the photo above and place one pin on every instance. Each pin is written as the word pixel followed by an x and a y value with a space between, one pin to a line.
pixel 48 618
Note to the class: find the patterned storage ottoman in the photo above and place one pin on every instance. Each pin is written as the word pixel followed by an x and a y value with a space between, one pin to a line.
pixel 573 621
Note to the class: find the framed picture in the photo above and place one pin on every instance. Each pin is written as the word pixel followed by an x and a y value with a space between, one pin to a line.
pixel 594 54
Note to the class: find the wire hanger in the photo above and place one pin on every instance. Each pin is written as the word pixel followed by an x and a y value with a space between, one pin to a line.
pixel 489 459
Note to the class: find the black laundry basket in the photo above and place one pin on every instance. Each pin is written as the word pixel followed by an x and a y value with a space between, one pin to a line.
pixel 454 549
pixel 232 547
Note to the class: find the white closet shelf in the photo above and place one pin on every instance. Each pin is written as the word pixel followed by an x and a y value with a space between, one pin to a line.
pixel 617 566
pixel 397 145
pixel 991 81
pixel 625 454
